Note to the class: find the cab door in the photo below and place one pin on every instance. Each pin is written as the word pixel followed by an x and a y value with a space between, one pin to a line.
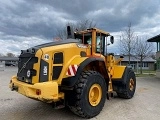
pixel 100 43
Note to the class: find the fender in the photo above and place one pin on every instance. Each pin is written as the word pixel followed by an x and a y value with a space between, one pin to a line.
pixel 70 81
pixel 121 81
pixel 86 62
pixel 124 75
pixel 118 71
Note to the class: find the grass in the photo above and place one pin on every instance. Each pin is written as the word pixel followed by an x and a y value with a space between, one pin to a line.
pixel 146 73
pixel 149 71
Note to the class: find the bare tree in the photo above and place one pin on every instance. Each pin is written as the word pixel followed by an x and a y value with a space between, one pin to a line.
pixel 61 33
pixel 127 42
pixel 143 49
pixel 78 26
pixel 10 55
pixel 84 24
pixel 153 55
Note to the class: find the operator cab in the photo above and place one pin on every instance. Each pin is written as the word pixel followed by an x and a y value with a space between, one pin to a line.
pixel 95 38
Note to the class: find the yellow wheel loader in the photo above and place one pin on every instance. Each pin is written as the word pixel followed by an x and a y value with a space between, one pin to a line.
pixel 77 72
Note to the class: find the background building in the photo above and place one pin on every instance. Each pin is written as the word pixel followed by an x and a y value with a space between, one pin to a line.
pixel 147 64
pixel 9 61
pixel 157 40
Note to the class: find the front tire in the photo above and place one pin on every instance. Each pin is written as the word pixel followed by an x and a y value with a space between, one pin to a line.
pixel 89 94
pixel 127 89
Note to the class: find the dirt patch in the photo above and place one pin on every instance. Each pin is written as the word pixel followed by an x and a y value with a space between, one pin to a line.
pixel 4 100
pixel 142 89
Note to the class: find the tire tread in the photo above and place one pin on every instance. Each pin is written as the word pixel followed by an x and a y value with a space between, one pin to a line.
pixel 76 109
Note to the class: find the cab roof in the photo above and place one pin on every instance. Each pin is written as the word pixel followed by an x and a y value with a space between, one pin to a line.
pixel 91 29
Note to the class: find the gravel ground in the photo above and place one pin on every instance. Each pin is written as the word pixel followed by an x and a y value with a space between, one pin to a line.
pixel 145 105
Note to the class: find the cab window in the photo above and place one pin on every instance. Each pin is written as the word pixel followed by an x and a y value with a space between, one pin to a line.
pixel 100 43
pixel 85 38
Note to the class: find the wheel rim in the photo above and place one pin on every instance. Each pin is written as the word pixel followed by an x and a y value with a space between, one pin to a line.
pixel 131 84
pixel 95 94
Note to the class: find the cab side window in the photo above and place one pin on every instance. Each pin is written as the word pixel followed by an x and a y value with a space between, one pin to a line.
pixel 100 42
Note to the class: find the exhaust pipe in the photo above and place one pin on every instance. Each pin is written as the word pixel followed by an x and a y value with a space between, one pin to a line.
pixel 69 33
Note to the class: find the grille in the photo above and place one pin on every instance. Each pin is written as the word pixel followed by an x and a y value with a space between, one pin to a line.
pixel 26 63
pixel 57 65
pixel 58 58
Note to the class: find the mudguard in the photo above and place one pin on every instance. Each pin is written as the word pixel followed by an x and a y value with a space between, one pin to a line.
pixel 121 81
pixel 69 82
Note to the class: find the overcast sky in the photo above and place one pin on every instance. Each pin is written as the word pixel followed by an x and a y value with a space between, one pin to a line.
pixel 25 23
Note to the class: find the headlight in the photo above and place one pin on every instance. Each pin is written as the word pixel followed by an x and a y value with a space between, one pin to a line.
pixel 28 73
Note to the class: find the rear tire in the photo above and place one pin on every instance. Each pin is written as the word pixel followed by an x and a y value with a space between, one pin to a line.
pixel 127 89
pixel 89 95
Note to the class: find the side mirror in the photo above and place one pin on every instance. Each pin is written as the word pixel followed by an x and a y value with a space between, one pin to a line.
pixel 112 39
